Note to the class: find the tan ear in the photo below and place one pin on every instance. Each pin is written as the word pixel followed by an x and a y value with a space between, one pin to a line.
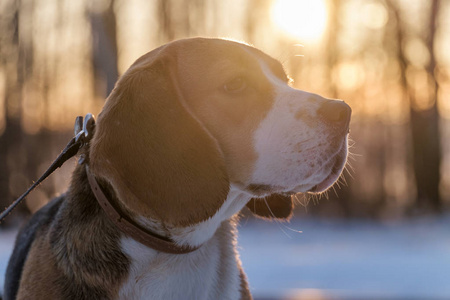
pixel 275 206
pixel 159 159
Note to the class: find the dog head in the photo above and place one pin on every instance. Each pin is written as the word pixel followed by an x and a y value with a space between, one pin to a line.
pixel 198 120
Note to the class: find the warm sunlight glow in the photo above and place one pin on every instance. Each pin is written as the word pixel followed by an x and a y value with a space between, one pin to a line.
pixel 302 19
pixel 374 15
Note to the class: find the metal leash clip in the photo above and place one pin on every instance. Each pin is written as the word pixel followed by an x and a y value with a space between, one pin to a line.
pixel 84 132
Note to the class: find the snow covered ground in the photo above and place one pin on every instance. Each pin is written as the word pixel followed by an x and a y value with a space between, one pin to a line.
pixel 348 259
pixel 356 260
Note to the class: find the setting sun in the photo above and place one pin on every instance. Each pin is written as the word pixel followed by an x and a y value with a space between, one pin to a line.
pixel 302 19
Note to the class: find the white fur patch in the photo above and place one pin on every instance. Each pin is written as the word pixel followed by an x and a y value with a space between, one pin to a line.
pixel 211 272
pixel 291 142
pixel 199 233
pixel 156 275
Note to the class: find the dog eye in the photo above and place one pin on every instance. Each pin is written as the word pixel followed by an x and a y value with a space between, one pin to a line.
pixel 236 85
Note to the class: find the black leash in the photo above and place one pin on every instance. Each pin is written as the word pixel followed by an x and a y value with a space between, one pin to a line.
pixel 83 134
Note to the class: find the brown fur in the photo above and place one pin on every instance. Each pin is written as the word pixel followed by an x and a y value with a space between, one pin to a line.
pixel 66 263
pixel 167 144
pixel 136 152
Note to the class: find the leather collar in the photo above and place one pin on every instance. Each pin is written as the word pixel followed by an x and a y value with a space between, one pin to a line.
pixel 130 228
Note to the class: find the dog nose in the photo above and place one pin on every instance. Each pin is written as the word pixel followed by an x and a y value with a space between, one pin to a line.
pixel 335 112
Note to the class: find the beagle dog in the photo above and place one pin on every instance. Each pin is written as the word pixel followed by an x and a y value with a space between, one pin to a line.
pixel 192 133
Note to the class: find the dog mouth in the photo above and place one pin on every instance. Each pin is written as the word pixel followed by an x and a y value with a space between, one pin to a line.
pixel 334 174
pixel 262 189
pixel 331 172
pixel 330 179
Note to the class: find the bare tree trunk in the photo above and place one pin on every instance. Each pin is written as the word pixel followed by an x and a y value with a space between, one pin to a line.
pixel 12 135
pixel 166 20
pixel 104 41
pixel 426 135
pixel 424 124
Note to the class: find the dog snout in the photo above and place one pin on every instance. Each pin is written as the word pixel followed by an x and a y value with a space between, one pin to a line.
pixel 336 113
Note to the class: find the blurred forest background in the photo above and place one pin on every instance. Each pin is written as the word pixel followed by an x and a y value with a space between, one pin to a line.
pixel 389 59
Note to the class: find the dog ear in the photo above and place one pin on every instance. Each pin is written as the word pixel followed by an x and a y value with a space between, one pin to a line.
pixel 159 159
pixel 275 206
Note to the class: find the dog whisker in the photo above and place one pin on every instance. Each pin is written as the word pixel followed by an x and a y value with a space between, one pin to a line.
pixel 280 224
pixel 349 168
pixel 303 201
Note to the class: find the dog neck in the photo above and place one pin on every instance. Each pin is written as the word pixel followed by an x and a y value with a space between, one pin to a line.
pixel 198 234
pixel 163 237
pixel 214 267
pixel 130 228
